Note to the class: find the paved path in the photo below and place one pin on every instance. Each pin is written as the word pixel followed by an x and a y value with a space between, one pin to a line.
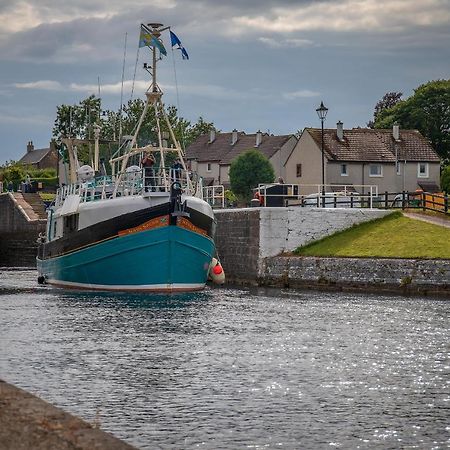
pixel 430 219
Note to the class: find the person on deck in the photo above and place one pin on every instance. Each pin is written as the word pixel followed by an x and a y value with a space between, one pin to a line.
pixel 177 167
pixel 148 163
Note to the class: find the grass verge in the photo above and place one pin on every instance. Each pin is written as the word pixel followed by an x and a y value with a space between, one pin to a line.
pixel 393 236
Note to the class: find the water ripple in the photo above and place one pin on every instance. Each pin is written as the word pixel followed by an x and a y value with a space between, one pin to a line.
pixel 234 368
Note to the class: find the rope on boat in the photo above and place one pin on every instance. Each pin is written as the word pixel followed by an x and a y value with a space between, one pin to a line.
pixel 178 97
pixel 134 76
pixel 121 90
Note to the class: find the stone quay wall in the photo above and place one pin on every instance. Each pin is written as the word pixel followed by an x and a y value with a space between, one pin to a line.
pixel 19 230
pixel 405 276
pixel 254 247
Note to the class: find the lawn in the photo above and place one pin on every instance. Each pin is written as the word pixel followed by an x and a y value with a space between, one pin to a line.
pixel 393 236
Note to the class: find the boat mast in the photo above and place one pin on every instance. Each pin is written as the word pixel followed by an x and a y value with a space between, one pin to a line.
pixel 153 95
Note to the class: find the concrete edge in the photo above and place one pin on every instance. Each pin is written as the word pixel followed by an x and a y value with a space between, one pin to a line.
pixel 23 210
pixel 27 422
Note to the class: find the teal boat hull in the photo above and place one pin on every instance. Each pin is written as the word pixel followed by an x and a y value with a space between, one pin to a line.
pixel 165 259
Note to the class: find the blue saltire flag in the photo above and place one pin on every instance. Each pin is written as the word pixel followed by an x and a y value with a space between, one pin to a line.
pixel 147 39
pixel 175 41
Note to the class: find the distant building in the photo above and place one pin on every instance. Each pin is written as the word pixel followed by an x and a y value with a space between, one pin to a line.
pixel 40 158
pixel 394 160
pixel 210 155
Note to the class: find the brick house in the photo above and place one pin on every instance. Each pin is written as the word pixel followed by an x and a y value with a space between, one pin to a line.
pixel 394 160
pixel 40 158
pixel 210 155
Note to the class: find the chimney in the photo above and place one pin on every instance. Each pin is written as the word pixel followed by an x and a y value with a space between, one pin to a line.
pixel 30 146
pixel 234 137
pixel 258 138
pixel 340 131
pixel 396 131
pixel 212 135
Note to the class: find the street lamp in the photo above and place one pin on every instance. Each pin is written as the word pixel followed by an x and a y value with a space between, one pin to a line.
pixel 322 113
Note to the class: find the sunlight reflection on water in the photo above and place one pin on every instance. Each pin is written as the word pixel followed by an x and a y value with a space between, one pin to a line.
pixel 233 368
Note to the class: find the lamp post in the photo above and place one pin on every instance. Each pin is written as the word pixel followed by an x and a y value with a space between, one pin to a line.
pixel 322 113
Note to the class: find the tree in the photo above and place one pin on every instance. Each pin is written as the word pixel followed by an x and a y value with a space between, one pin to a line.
pixel 445 180
pixel 247 171
pixel 196 130
pixel 389 100
pixel 13 172
pixel 77 121
pixel 427 110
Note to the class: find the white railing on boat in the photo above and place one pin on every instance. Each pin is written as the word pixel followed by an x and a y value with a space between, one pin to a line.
pixel 215 195
pixel 135 182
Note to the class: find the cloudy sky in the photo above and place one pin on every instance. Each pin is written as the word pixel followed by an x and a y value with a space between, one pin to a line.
pixel 254 64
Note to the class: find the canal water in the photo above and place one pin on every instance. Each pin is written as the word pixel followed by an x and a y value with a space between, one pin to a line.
pixel 234 368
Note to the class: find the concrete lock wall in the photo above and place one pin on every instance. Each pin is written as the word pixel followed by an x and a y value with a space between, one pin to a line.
pixel 249 242
pixel 18 234
pixel 245 236
pixel 285 229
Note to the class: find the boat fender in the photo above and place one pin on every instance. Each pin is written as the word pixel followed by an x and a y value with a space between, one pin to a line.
pixel 216 273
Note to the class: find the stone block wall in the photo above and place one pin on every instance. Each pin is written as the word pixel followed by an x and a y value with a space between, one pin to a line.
pixel 380 274
pixel 237 243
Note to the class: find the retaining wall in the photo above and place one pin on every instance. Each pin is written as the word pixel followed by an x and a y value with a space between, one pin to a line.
pixel 250 242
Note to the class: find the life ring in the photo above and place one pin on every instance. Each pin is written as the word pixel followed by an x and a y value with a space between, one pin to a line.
pixel 260 198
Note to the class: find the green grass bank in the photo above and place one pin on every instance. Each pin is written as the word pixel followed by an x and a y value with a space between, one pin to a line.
pixel 394 236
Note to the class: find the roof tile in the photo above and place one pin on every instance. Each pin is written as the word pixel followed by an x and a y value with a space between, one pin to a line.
pixel 366 144
pixel 223 152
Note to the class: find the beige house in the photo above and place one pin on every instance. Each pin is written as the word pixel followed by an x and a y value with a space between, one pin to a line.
pixel 393 160
pixel 210 155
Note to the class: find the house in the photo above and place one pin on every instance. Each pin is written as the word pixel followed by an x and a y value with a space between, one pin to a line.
pixel 210 155
pixel 40 158
pixel 393 160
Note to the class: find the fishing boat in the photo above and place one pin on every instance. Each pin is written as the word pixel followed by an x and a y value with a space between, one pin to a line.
pixel 143 227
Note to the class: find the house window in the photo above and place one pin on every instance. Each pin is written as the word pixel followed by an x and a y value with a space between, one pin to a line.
pixel 398 167
pixel 208 167
pixel 422 170
pixel 375 170
pixel 344 171
pixel 299 170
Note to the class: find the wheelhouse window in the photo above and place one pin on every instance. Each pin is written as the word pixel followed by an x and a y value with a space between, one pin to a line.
pixel 299 170
pixel 344 170
pixel 70 224
pixel 422 170
pixel 375 170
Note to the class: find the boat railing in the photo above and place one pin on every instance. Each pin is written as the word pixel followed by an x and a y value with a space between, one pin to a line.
pixel 215 195
pixel 132 182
